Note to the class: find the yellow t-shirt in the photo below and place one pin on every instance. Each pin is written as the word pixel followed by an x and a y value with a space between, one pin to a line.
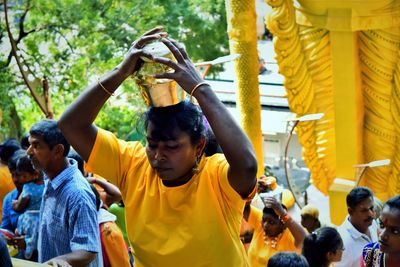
pixel 259 252
pixel 195 224
pixel 6 185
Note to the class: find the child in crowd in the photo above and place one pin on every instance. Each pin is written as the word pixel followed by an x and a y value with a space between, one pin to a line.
pixel 29 203
pixel 322 247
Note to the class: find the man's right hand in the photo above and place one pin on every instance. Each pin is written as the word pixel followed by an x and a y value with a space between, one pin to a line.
pixel 58 263
pixel 132 61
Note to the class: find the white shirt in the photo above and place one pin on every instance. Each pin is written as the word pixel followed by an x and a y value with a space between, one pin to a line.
pixel 354 242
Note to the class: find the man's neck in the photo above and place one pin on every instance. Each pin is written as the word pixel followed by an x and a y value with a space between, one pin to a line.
pixel 392 259
pixel 360 229
pixel 57 168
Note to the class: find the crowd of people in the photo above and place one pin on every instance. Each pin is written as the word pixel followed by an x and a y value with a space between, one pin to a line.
pixel 109 202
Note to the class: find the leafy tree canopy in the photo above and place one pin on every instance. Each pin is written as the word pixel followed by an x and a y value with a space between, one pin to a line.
pixel 73 42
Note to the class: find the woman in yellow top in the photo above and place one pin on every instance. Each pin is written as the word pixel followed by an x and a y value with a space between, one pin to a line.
pixel 182 209
pixel 274 231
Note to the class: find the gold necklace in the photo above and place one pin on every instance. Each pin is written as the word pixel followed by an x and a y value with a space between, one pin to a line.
pixel 272 241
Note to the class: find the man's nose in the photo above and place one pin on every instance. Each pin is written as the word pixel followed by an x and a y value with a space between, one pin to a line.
pixel 159 155
pixel 372 213
pixel 383 235
pixel 29 151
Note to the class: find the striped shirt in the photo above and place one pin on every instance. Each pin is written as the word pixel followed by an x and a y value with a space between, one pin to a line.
pixel 68 217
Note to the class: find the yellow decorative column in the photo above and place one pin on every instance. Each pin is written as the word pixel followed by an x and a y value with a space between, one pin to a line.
pixel 348 117
pixel 348 106
pixel 243 40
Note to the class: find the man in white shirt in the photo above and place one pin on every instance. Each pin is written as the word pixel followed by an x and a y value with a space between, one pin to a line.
pixel 359 228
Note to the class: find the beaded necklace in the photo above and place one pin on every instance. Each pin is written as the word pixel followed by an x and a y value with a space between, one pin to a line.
pixel 272 241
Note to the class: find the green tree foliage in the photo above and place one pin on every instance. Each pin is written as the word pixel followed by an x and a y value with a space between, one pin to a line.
pixel 73 42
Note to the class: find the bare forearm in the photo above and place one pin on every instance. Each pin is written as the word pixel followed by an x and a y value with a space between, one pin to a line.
pixel 89 103
pixel 234 142
pixel 232 139
pixel 113 192
pixel 21 203
pixel 76 122
pixel 297 231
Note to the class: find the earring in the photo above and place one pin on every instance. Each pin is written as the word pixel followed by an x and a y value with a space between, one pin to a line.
pixel 195 168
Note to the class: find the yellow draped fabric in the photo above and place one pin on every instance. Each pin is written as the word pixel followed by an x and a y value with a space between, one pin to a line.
pixel 379 56
pixel 243 40
pixel 303 56
pixel 302 44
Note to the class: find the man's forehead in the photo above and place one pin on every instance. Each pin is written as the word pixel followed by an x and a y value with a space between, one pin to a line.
pixel 35 139
pixel 390 217
pixel 366 204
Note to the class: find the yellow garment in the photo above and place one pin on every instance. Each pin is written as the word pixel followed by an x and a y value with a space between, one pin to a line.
pixel 259 252
pixel 195 224
pixel 6 185
pixel 114 245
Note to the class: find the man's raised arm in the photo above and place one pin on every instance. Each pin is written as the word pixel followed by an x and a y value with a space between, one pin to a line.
pixel 76 123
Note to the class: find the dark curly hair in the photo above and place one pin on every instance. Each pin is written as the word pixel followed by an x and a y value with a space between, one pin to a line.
pixel 184 116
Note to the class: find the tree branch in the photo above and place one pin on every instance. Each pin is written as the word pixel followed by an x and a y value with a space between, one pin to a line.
pixel 65 39
pixel 14 49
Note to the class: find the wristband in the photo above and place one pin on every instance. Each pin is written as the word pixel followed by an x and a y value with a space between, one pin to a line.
pixel 195 88
pixel 104 89
pixel 285 218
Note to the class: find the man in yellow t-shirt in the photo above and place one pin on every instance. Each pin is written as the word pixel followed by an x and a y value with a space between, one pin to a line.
pixel 273 233
pixel 178 221
pixel 182 209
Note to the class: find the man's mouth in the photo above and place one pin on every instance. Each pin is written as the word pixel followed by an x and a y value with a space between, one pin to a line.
pixel 383 243
pixel 34 162
pixel 369 220
pixel 161 169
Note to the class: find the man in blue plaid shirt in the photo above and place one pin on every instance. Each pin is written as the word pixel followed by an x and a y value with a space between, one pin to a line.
pixel 68 230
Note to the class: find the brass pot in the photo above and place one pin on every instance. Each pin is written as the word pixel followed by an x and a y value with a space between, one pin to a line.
pixel 158 92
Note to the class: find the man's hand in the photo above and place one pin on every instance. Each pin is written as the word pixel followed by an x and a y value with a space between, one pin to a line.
pixel 185 73
pixel 132 61
pixel 262 184
pixel 58 263
pixel 91 180
pixel 271 202
pixel 14 204
pixel 17 242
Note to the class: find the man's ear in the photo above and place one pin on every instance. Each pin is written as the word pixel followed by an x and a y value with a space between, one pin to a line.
pixel 59 150
pixel 200 146
pixel 350 211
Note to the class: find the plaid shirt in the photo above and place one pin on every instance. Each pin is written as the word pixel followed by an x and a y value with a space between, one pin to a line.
pixel 68 217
